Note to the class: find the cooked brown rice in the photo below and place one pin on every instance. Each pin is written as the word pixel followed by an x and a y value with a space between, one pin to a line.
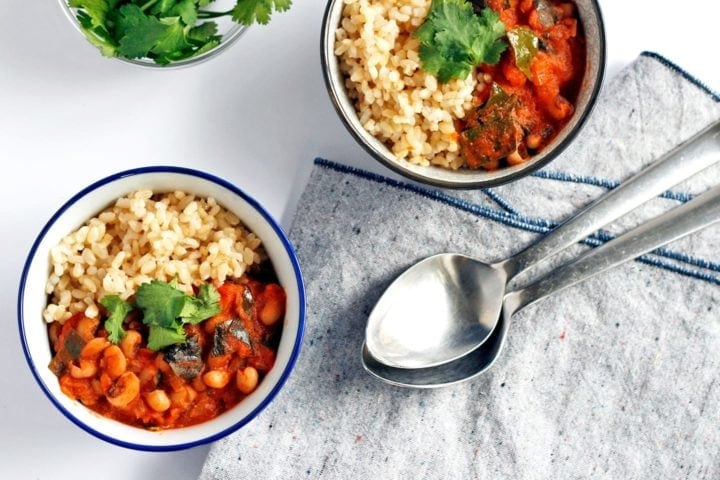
pixel 396 101
pixel 144 237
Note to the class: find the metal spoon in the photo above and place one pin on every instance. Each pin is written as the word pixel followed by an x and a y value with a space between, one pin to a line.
pixel 683 220
pixel 446 305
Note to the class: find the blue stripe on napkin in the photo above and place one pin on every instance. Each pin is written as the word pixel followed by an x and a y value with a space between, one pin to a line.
pixel 686 265
pixel 683 73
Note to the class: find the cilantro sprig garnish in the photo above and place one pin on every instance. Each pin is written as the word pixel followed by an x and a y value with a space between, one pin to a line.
pixel 117 309
pixel 165 31
pixel 166 309
pixel 454 40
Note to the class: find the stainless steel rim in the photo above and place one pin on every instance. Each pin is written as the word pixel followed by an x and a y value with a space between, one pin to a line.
pixel 437 176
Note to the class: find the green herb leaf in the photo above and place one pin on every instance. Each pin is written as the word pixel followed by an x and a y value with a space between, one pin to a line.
pixel 93 18
pixel 525 46
pixel 173 39
pixel 203 33
pixel 117 309
pixel 166 309
pixel 207 47
pixel 96 10
pixel 142 34
pixel 165 31
pixel 205 305
pixel 186 10
pixel 453 39
pixel 161 303
pixel 248 12
pixel 159 337
pixel 162 7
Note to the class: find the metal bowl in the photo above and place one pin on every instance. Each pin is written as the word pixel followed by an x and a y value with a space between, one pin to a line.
pixel 592 23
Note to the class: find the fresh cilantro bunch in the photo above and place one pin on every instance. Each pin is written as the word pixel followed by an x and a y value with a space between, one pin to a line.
pixel 166 309
pixel 453 39
pixel 165 31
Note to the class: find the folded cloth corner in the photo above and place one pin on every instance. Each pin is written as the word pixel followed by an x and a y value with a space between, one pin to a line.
pixel 613 378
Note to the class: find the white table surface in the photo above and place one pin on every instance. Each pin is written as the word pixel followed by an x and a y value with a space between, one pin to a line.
pixel 257 115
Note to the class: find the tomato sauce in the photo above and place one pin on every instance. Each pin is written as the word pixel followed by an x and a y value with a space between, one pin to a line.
pixel 538 102
pixel 223 360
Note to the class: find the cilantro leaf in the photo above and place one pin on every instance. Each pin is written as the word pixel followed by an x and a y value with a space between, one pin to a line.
pixel 159 337
pixel 210 297
pixel 117 309
pixel 161 303
pixel 163 6
pixel 166 310
pixel 93 18
pixel 490 45
pixel 142 34
pixel 203 33
pixel 97 36
pixel 96 10
pixel 248 12
pixel 453 39
pixel 205 305
pixel 165 31
pixel 173 39
pixel 186 10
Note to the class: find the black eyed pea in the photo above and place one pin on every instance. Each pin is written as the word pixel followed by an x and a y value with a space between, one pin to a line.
pixel 158 400
pixel 114 361
pixel 125 389
pixel 216 378
pixel 246 380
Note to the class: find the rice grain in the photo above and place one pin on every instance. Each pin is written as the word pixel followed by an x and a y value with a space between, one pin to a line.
pixel 142 237
pixel 396 101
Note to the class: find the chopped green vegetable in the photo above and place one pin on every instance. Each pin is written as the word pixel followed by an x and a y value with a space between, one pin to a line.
pixel 453 39
pixel 74 344
pixel 525 46
pixel 492 131
pixel 117 309
pixel 165 31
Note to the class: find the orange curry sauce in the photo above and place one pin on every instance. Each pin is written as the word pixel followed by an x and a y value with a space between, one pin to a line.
pixel 222 362
pixel 539 105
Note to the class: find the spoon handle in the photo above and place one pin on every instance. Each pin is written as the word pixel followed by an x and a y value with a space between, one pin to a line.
pixel 683 220
pixel 687 159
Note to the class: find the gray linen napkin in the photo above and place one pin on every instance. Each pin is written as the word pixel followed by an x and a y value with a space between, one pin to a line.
pixel 614 378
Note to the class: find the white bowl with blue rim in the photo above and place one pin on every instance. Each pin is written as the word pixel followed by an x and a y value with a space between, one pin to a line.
pixel 89 202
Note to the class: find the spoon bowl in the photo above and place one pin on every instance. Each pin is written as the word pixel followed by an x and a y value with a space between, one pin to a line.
pixel 462 369
pixel 444 286
pixel 445 306
pixel 683 220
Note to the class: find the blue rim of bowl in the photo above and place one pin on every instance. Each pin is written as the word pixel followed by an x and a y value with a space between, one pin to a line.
pixel 278 231
pixel 326 30
pixel 227 40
